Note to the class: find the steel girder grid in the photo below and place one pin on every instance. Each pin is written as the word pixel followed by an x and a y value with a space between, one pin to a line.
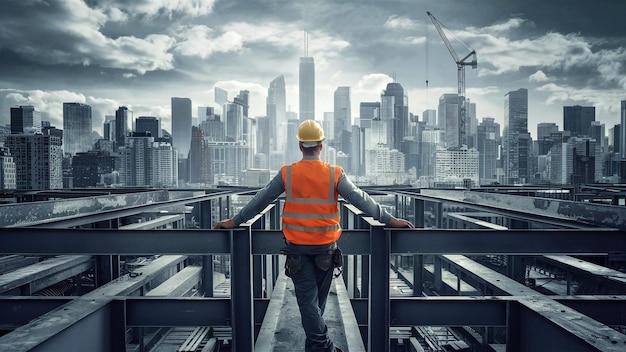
pixel 533 323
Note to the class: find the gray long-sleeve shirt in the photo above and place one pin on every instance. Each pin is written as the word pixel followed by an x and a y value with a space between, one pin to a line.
pixel 348 190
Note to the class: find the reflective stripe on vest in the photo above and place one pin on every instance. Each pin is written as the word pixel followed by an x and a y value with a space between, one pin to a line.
pixel 312 219
pixel 312 229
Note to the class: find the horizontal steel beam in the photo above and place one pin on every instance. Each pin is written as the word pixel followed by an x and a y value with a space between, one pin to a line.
pixel 51 326
pixel 124 211
pixel 448 311
pixel 186 311
pixel 530 242
pixel 19 310
pixel 403 241
pixel 111 241
pixel 609 310
pixel 63 266
pixel 606 276
pixel 548 325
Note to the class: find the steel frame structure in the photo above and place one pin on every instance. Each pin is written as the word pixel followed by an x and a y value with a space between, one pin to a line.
pixel 532 323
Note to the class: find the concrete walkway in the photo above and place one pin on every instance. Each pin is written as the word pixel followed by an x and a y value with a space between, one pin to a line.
pixel 282 330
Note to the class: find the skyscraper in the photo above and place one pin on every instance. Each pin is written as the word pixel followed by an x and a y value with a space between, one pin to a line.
pixel 399 123
pixel 430 117
pixel 276 107
pixel 199 161
pixel 448 116
pixel 577 119
pixel 597 132
pixel 181 125
pixel 233 120
pixel 453 166
pixel 622 133
pixel 432 140
pixel 76 128
pixel 545 131
pixel 89 167
pixel 121 126
pixel 229 160
pixel 24 119
pixel 342 114
pixel 471 124
pixel 488 140
pixel 108 127
pixel 7 169
pixel 243 99
pixel 138 160
pixel 307 89
pixel 213 127
pixel 165 165
pixel 38 161
pixel 148 124
pixel 261 127
pixel 515 134
pixel 221 98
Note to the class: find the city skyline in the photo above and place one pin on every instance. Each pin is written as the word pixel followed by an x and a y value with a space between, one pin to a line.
pixel 143 53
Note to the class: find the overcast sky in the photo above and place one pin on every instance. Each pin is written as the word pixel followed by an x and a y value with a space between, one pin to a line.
pixel 140 53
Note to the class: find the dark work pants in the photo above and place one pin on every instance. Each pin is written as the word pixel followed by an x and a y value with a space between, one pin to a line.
pixel 312 287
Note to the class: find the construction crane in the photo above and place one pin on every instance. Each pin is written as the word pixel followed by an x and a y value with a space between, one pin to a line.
pixel 467 60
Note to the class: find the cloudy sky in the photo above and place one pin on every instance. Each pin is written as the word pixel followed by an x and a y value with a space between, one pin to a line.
pixel 140 53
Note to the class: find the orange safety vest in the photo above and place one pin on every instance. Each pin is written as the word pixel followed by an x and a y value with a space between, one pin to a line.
pixel 311 212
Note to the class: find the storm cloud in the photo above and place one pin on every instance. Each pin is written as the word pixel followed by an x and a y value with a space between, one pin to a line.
pixel 108 53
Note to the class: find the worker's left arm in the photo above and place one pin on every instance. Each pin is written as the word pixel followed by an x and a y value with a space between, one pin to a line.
pixel 261 200
pixel 367 204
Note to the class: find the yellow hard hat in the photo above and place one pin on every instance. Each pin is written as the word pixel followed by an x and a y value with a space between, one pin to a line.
pixel 310 133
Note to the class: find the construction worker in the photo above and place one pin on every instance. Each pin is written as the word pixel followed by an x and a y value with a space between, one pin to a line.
pixel 310 224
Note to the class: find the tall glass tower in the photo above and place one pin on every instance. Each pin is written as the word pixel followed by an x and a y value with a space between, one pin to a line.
pixel 181 125
pixel 515 137
pixel 622 133
pixel 24 119
pixel 577 119
pixel 121 126
pixel 76 128
pixel 448 114
pixel 488 140
pixel 399 126
pixel 276 107
pixel 307 89
pixel 342 116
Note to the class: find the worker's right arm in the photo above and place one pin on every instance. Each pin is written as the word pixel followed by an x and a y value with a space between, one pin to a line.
pixel 261 200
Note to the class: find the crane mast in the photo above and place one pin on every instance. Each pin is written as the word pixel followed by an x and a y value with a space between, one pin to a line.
pixel 467 60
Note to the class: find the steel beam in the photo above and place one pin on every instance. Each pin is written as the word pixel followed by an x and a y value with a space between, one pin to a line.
pixel 378 307
pixel 182 311
pixel 111 241
pixel 161 220
pixel 242 313
pixel 448 311
pixel 609 310
pixel 47 272
pixel 607 277
pixel 549 326
pixel 81 322
pixel 19 310
pixel 529 242
pixel 178 284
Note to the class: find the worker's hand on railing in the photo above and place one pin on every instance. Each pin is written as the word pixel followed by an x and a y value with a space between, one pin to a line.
pixel 225 224
pixel 395 222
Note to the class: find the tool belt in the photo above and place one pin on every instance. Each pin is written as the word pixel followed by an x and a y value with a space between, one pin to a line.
pixel 325 257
